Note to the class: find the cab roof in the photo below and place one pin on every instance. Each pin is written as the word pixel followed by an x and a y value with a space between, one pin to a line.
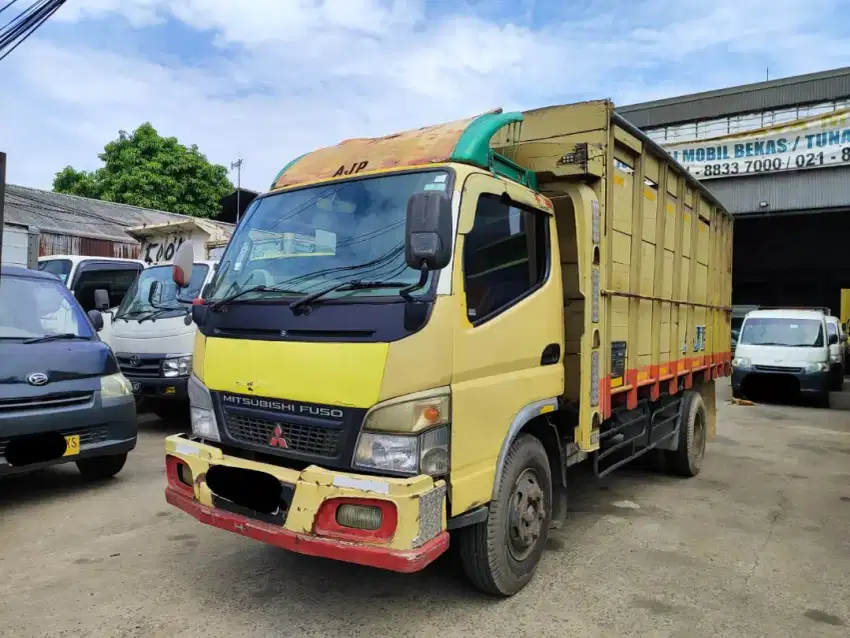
pixel 465 141
pixel 78 258
pixel 787 313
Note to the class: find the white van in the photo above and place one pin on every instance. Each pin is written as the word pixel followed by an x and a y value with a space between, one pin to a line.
pixel 785 350
pixel 836 351
pixel 98 283
pixel 153 337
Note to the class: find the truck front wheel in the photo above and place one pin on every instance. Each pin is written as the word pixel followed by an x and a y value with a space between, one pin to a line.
pixel 501 554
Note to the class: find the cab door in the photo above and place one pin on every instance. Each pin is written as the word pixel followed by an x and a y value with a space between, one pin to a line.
pixel 509 331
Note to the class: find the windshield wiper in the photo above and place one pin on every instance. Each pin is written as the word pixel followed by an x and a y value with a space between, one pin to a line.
pixel 56 337
pixel 216 305
pixel 155 313
pixel 356 284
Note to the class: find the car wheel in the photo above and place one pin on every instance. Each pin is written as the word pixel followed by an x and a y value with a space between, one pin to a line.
pixel 501 554
pixel 101 467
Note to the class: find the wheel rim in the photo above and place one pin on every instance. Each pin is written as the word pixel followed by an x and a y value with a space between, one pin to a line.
pixel 527 515
pixel 698 439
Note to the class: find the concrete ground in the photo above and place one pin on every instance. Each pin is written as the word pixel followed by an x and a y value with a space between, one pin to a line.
pixel 757 545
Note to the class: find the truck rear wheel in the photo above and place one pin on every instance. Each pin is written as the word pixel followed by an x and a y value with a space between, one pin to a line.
pixel 686 460
pixel 501 554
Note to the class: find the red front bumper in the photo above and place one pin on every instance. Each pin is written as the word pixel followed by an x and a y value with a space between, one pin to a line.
pixel 384 558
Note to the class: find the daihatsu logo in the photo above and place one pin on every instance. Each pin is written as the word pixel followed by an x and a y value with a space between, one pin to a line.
pixel 37 378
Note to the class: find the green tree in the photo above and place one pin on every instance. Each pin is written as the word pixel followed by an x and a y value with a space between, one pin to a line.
pixel 148 170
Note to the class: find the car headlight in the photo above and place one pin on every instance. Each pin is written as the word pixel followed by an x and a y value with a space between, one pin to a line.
pixel 177 366
pixel 742 363
pixel 201 411
pixel 817 366
pixel 114 385
pixel 407 435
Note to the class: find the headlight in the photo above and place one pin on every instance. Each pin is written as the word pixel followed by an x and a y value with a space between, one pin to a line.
pixel 407 435
pixel 742 363
pixel 201 411
pixel 426 453
pixel 177 366
pixel 818 366
pixel 114 385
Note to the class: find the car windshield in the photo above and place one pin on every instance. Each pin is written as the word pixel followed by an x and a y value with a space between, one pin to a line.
pixel 31 308
pixel 308 239
pixel 777 331
pixel 136 303
pixel 59 267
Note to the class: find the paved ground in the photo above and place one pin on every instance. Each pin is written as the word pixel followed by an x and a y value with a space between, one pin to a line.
pixel 758 545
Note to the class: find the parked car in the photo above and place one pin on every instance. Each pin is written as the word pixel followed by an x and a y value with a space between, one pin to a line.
pixel 785 350
pixel 62 396
pixel 837 362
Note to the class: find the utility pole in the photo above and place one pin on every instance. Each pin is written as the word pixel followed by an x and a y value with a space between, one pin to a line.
pixel 2 198
pixel 238 166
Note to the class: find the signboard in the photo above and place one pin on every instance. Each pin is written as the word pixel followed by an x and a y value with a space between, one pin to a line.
pixel 816 142
pixel 161 249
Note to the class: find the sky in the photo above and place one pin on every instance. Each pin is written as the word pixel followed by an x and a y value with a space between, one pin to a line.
pixel 268 80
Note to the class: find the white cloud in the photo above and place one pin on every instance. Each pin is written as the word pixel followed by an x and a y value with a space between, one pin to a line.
pixel 299 74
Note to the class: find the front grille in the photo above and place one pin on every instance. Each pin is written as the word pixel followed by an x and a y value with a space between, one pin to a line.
pixel 88 434
pixel 299 438
pixel 778 369
pixel 48 401
pixel 144 366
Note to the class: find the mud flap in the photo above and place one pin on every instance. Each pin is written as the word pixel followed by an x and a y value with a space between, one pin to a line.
pixel 709 394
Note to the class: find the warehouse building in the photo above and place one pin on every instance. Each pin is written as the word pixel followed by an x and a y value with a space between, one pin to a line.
pixel 777 154
pixel 56 224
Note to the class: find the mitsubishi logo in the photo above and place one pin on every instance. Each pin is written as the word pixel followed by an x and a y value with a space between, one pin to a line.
pixel 277 439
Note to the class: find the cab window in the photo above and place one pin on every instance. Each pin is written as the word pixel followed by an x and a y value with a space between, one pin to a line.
pixel 505 256
pixel 115 279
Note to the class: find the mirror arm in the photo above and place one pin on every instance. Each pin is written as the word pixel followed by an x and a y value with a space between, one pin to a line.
pixel 423 279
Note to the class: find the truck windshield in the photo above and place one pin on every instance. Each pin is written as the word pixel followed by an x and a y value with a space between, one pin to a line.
pixel 775 331
pixel 308 239
pixel 35 308
pixel 136 305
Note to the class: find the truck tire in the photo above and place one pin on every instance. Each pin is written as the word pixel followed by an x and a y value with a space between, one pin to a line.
pixel 501 554
pixel 101 467
pixel 686 459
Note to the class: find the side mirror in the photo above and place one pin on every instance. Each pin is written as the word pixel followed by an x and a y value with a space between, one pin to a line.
pixel 101 299
pixel 833 339
pixel 184 259
pixel 428 234
pixel 155 293
pixel 96 319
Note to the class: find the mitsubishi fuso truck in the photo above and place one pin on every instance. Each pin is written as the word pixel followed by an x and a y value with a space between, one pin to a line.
pixel 410 339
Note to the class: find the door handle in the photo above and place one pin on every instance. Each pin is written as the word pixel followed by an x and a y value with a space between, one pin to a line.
pixel 551 355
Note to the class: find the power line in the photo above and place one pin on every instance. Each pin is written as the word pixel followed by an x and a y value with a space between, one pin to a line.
pixel 15 32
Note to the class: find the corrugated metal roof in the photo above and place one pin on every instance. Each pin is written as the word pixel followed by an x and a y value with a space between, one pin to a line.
pixel 80 216
pixel 791 91
pixel 821 188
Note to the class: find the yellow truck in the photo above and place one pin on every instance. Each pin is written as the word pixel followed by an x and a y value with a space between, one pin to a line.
pixel 482 304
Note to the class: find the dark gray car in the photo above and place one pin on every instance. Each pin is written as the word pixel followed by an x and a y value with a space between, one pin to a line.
pixel 62 397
